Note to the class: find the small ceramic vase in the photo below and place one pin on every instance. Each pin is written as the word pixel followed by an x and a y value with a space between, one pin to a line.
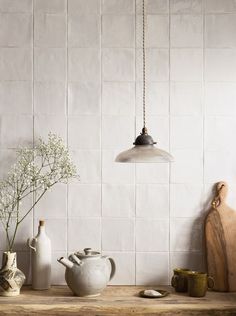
pixel 11 278
pixel 41 259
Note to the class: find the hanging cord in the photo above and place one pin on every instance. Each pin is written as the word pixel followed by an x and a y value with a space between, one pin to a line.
pixel 144 72
pixel 217 200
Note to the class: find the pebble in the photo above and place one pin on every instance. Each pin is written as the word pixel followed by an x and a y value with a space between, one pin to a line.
pixel 152 293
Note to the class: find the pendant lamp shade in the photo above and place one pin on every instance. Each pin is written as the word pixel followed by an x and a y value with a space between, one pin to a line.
pixel 144 149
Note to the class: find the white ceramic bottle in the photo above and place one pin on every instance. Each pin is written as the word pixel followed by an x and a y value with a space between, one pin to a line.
pixel 41 259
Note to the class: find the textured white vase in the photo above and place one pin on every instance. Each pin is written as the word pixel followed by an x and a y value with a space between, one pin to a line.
pixel 41 255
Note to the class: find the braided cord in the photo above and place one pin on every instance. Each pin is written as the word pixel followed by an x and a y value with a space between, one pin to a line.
pixel 144 69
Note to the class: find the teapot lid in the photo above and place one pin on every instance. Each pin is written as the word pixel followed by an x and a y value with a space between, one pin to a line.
pixel 88 253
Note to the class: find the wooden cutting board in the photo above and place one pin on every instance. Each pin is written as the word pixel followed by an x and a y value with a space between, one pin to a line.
pixel 220 234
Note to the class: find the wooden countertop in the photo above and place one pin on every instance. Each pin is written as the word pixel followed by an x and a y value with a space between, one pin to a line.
pixel 116 300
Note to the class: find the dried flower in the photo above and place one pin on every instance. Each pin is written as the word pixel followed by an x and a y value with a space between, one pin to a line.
pixel 35 172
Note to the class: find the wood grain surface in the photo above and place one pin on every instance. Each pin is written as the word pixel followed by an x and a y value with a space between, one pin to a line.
pixel 220 233
pixel 116 300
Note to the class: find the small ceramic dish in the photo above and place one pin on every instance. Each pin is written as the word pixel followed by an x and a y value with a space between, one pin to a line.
pixel 162 292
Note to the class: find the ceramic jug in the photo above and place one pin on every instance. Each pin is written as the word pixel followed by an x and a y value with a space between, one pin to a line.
pixel 41 259
pixel 11 278
pixel 87 273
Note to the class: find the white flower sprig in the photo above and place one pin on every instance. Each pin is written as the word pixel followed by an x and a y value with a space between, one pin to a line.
pixel 35 172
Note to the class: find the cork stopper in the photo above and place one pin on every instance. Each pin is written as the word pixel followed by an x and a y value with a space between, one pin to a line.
pixel 41 222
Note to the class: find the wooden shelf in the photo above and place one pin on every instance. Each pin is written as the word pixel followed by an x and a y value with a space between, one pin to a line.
pixel 116 300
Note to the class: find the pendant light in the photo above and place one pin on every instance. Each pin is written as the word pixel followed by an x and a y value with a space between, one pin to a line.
pixel 144 149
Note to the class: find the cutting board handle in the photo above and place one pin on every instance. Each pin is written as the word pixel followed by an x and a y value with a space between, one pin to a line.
pixel 221 194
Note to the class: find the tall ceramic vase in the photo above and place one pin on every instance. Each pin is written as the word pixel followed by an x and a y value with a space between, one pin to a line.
pixel 41 259
pixel 11 278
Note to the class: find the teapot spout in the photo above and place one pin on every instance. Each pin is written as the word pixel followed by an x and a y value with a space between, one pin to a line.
pixel 67 263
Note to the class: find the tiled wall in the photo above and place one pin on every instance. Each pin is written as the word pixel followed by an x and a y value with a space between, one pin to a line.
pixel 73 67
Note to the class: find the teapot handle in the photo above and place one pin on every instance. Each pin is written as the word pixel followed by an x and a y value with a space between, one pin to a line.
pixel 113 267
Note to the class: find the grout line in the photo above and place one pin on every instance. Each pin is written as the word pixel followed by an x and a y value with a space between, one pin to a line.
pixel 135 165
pixel 67 138
pixel 101 120
pixel 169 165
pixel 33 88
pixel 203 115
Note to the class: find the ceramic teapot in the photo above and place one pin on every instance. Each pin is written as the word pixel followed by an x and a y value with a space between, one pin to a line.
pixel 87 273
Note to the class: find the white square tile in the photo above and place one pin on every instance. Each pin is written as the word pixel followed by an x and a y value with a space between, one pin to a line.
pixel 84 98
pixel 58 270
pixel 21 30
pixel 24 231
pixel 118 200
pixel 44 124
pixel 152 268
pixel 186 98
pixel 84 132
pixel 157 66
pixel 125 268
pixel 189 260
pixel 118 98
pixel 50 64
pixel 84 200
pixel 23 263
pixel 3 245
pixel 84 65
pixel 219 6
pixel 84 30
pixel 220 64
pixel 186 31
pixel 16 6
pixel 186 234
pixel 184 59
pixel 152 173
pixel 186 200
pixel 52 6
pixel 53 204
pixel 152 200
pixel 218 133
pixel 118 64
pixel 147 238
pixel 186 132
pixel 15 64
pixel 220 98
pixel 117 234
pixel 153 6
pixel 158 127
pixel 118 31
pixel 113 172
pixel 49 30
pixel 186 160
pixel 157 98
pixel 84 7
pixel 20 135
pixel 121 131
pixel 157 29
pixel 118 6
pixel 220 30
pixel 50 98
pixel 84 233
pixel 56 229
pixel 186 6
pixel 220 165
pixel 7 159
pixel 88 164
pixel 16 97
